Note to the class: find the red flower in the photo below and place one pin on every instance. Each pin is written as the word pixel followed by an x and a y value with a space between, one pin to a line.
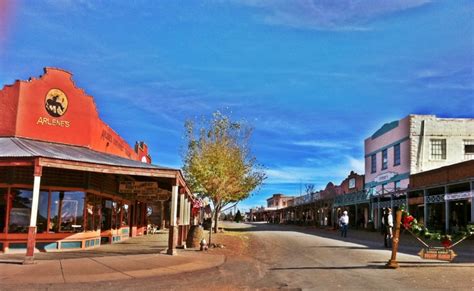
pixel 407 220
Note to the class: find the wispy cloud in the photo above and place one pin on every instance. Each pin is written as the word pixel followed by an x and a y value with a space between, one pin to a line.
pixel 346 15
pixel 322 144
pixel 357 165
pixel 447 76
pixel 322 174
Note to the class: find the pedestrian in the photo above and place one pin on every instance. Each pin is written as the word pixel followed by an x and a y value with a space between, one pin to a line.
pixel 388 223
pixel 343 223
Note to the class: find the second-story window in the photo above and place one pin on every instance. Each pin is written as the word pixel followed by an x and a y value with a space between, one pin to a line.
pixel 469 149
pixel 438 149
pixel 396 154
pixel 373 163
pixel 384 159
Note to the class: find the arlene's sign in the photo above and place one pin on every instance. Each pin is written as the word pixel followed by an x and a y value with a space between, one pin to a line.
pixel 52 108
pixel 56 104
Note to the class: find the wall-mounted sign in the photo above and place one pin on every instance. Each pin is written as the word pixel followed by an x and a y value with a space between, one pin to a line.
pixel 161 195
pixel 384 177
pixel 56 103
pixel 138 188
pixel 459 196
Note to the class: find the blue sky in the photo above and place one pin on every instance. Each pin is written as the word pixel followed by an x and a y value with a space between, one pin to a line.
pixel 313 77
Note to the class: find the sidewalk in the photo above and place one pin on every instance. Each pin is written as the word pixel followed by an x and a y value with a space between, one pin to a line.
pixel 106 268
pixel 135 258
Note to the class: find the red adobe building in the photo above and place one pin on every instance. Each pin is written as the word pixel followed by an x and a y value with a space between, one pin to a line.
pixel 69 181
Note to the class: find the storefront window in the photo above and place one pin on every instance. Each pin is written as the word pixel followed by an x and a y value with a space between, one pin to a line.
pixel 93 212
pixel 54 214
pixel 42 218
pixel 20 211
pixel 97 212
pixel 106 215
pixel 67 211
pixel 125 215
pixel 118 215
pixel 90 213
pixel 3 208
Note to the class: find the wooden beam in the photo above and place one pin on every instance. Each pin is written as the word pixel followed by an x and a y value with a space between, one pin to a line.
pixel 106 169
pixel 16 163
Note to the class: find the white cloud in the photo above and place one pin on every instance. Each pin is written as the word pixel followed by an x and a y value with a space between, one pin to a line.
pixel 322 174
pixel 343 15
pixel 357 165
pixel 322 144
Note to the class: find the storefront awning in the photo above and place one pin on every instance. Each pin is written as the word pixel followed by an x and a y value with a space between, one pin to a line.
pixel 12 147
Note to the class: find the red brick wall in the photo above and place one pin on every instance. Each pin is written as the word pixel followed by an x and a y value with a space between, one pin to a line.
pixel 456 172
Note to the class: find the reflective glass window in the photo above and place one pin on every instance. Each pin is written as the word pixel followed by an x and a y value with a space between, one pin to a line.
pixel 20 211
pixel 125 216
pixel 42 218
pixel 3 208
pixel 70 211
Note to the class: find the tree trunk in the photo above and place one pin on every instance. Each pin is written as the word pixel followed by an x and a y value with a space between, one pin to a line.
pixel 216 218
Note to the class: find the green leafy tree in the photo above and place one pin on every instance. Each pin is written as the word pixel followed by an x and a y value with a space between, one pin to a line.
pixel 238 216
pixel 218 163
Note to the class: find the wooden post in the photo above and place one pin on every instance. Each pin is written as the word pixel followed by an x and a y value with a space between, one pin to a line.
pixel 173 230
pixel 392 263
pixel 31 242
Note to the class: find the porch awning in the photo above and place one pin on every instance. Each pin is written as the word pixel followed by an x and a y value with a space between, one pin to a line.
pixel 16 151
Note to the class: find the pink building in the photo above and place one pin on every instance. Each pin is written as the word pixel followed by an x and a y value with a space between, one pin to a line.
pixel 414 144
pixel 387 157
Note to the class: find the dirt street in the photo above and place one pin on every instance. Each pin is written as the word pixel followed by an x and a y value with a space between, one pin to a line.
pixel 276 256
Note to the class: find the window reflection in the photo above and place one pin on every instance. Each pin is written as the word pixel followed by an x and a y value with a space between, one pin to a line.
pixel 42 218
pixel 125 215
pixel 93 212
pixel 3 208
pixel 20 211
pixel 106 215
pixel 67 211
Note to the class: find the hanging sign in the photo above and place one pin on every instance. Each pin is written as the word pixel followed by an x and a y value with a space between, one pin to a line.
pixel 138 188
pixel 437 254
pixel 384 177
pixel 159 195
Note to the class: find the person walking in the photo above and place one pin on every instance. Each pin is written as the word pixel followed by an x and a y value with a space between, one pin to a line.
pixel 343 223
pixel 388 223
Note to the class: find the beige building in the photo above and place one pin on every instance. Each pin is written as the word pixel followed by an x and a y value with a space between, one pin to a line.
pixel 438 142
pixel 278 201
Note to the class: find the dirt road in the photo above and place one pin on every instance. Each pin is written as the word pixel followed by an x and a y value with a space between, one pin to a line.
pixel 277 256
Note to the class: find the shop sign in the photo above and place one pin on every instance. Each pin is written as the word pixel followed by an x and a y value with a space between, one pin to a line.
pixel 55 104
pixel 459 196
pixel 160 195
pixel 437 254
pixel 385 177
pixel 138 188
